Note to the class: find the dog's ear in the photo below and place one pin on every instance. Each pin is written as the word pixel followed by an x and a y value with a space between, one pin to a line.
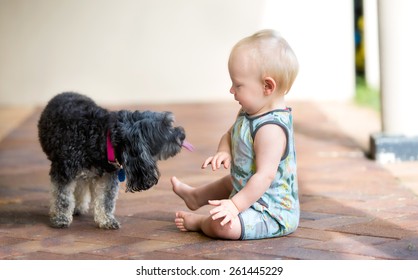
pixel 140 165
pixel 141 169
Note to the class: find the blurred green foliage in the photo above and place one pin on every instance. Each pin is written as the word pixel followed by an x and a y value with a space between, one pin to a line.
pixel 366 96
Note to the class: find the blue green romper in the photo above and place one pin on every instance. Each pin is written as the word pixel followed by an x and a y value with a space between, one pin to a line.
pixel 277 212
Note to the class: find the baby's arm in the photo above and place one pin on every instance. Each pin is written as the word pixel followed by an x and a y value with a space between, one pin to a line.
pixel 269 147
pixel 223 154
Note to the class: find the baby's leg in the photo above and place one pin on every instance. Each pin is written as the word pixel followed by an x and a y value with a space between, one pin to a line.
pixel 197 197
pixel 186 221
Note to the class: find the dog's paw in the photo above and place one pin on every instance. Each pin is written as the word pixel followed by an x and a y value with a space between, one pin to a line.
pixel 60 222
pixel 110 224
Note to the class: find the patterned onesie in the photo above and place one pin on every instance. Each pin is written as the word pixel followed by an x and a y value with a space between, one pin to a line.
pixel 277 212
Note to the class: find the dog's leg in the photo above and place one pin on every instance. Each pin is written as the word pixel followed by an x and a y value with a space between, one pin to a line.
pixel 105 195
pixel 62 205
pixel 82 197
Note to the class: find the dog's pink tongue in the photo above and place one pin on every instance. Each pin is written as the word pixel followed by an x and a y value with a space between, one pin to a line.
pixel 188 146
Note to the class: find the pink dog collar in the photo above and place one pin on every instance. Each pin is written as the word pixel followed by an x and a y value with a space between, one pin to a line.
pixel 111 158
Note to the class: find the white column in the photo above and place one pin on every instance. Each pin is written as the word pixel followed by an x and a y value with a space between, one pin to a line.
pixel 398 22
pixel 398 82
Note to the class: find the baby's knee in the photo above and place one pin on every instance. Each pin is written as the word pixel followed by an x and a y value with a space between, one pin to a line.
pixel 231 231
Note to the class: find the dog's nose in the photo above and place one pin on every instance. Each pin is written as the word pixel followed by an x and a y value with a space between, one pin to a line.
pixel 182 137
pixel 181 133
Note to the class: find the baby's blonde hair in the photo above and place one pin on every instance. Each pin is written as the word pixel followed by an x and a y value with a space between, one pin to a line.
pixel 274 57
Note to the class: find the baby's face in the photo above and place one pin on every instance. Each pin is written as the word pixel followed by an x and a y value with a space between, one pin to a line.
pixel 247 86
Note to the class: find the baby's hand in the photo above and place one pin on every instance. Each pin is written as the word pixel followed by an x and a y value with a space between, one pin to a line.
pixel 217 160
pixel 226 209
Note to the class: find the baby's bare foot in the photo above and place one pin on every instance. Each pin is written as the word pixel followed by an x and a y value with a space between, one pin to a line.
pixel 185 192
pixel 188 221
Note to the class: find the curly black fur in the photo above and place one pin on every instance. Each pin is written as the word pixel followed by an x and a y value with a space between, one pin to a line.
pixel 72 133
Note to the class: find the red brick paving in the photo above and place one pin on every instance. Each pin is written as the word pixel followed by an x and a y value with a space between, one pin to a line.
pixel 352 208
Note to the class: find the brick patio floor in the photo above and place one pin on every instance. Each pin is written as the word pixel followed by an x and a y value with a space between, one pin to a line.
pixel 352 208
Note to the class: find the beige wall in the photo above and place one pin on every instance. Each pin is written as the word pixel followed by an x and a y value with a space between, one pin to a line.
pixel 146 51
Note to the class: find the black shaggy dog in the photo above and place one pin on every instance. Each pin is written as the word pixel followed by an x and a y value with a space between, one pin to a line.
pixel 88 146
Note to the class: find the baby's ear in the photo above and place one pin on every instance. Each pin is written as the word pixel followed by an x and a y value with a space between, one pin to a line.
pixel 269 85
